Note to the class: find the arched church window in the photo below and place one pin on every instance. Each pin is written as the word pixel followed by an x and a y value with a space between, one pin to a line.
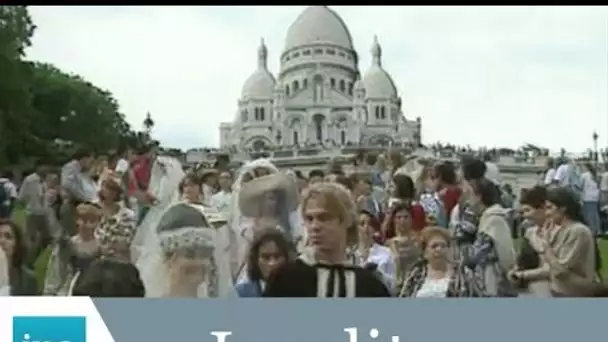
pixel 332 83
pixel 383 112
pixel 296 86
pixel 343 138
pixel 306 53
pixel 295 138
pixel 262 114
pixel 318 120
pixel 305 83
pixel 256 114
pixel 377 112
pixel 287 90
pixel 317 88
pixel 342 86
pixel 350 88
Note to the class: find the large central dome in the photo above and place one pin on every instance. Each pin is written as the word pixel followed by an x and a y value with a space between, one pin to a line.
pixel 318 25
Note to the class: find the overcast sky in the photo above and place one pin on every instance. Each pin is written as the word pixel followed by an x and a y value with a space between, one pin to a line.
pixel 475 75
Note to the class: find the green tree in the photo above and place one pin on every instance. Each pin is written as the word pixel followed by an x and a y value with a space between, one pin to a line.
pixel 72 110
pixel 16 30
pixel 44 112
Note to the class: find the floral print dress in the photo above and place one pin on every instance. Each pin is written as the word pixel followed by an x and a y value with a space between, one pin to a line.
pixel 464 231
pixel 115 232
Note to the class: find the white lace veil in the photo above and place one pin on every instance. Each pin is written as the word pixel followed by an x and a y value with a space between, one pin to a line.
pixel 246 171
pixel 191 232
pixel 165 176
pixel 269 200
pixel 4 280
pixel 236 221
pixel 247 198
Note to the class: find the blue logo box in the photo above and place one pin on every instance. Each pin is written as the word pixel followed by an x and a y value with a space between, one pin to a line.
pixel 49 329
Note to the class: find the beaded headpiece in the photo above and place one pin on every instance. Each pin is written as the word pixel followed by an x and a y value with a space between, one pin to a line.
pixel 186 227
pixel 198 239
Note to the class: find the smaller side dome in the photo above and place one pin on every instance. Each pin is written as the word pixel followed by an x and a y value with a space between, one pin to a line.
pixel 377 82
pixel 261 83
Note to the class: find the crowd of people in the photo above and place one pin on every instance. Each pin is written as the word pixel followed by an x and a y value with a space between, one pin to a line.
pixel 137 224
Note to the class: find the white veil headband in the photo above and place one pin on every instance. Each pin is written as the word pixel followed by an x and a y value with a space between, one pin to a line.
pixel 188 228
pixel 166 174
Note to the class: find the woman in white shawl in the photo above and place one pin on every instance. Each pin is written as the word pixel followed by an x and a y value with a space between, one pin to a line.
pixel 4 280
pixel 165 176
pixel 242 225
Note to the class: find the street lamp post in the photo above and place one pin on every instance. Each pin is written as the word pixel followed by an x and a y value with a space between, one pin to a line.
pixel 595 152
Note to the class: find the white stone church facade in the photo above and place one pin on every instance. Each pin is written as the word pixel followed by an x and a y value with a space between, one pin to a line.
pixel 318 97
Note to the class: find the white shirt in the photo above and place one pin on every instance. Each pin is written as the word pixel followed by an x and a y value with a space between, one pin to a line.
pixel 591 192
pixel 122 166
pixel 561 174
pixel 222 201
pixel 493 173
pixel 604 182
pixel 549 176
pixel 10 187
pixel 434 288
pixel 382 256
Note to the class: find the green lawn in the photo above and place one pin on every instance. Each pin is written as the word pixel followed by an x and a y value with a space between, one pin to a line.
pixel 42 261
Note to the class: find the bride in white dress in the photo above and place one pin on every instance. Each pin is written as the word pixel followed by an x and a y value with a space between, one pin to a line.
pixel 189 258
pixel 165 176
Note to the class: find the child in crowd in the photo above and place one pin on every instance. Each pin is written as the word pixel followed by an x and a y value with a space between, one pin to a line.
pixel 74 253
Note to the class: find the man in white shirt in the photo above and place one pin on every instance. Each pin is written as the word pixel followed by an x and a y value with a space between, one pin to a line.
pixel 6 181
pixel 34 194
pixel 550 174
pixel 604 185
pixel 561 174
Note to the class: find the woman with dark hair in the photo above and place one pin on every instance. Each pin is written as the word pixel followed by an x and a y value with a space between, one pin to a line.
pixel 402 190
pixel 22 280
pixel 568 246
pixel 402 240
pixel 370 254
pixel 531 274
pixel 493 251
pixel 445 182
pixel 463 218
pixel 190 189
pixel 269 251
pixel 107 277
